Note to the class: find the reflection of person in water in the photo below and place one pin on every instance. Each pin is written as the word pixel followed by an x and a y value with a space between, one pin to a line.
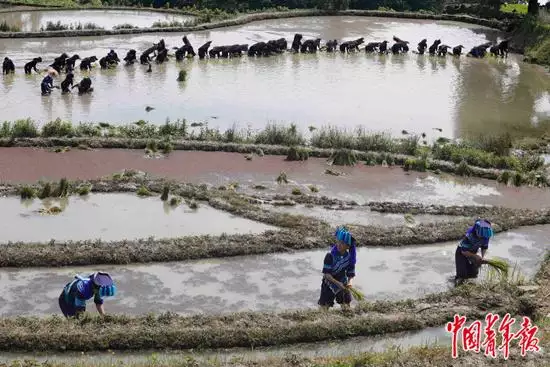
pixel 72 299
pixel 338 271
pixel 467 260
pixel 47 83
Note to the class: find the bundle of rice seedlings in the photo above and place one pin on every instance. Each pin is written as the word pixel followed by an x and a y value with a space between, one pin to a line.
pixel 499 265
pixel 356 294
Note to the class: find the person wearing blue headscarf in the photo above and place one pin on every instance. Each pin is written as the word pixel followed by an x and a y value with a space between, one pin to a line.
pixel 338 271
pixel 72 300
pixel 467 260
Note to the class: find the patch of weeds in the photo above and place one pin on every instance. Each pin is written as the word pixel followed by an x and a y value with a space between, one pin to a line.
pixel 282 178
pixel 151 147
pixel 332 173
pixel 165 193
pixel 463 169
pixel 416 164
pixel 175 201
pixel 504 177
pixel 233 186
pixel 124 26
pixel 46 191
pixel 192 204
pixel 62 189
pixel 24 129
pixel 518 179
pixel 143 191
pixel 84 190
pixel 343 157
pixel 57 128
pixel 5 27
pixel 166 147
pixel 297 154
pixel 62 149
pixel 27 192
pixel 259 187
pixel 275 134
pixel 313 188
pixel 296 191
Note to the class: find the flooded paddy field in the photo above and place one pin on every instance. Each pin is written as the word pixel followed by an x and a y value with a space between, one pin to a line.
pixel 360 183
pixel 113 217
pixel 460 96
pixel 264 283
pixel 36 20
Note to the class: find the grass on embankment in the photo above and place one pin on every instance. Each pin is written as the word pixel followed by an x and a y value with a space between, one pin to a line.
pixel 483 157
pixel 533 38
pixel 296 232
pixel 254 329
pixel 514 8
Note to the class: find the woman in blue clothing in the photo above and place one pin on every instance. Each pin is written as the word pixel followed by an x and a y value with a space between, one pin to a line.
pixel 72 299
pixel 338 271
pixel 467 260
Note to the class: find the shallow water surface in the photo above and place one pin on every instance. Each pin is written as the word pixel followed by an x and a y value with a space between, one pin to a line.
pixel 33 21
pixel 263 283
pixel 360 215
pixel 113 217
pixel 404 92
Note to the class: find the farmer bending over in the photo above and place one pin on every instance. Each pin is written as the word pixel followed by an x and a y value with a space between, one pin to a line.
pixel 72 300
pixel 467 260
pixel 338 271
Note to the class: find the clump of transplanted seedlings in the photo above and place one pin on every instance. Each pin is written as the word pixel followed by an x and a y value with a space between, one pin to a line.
pixel 282 178
pixel 343 157
pixel 27 192
pixel 165 193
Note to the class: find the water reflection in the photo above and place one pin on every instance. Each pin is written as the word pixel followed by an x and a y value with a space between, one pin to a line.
pixel 33 21
pixel 461 96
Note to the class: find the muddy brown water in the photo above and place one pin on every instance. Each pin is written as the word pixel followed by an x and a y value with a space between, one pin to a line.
pixel 263 283
pixel 351 346
pixel 34 21
pixel 113 217
pixel 461 96
pixel 360 183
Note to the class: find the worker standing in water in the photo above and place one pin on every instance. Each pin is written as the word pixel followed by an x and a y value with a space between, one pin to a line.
pixel 72 299
pixel 467 260
pixel 338 271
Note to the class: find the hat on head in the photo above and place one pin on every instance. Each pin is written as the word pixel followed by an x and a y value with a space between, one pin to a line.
pixel 483 228
pixel 342 234
pixel 101 279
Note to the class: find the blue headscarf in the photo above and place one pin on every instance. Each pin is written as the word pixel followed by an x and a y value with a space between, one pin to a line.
pixel 483 228
pixel 342 234
pixel 107 291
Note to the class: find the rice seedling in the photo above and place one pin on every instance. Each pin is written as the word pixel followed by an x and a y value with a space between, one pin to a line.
pixel 409 218
pixel 175 201
pixel 165 193
pixel 463 169
pixel 499 265
pixel 62 188
pixel 143 191
pixel 192 204
pixel 517 179
pixel 27 192
pixel 313 188
pixel 296 191
pixel 50 211
pixel 356 294
pixel 46 191
pixel 84 190
pixel 282 178
pixel 504 177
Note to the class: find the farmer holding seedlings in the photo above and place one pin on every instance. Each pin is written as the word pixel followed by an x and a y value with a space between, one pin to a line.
pixel 72 300
pixel 467 260
pixel 338 271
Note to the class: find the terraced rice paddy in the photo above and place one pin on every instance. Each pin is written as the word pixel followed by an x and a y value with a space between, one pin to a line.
pixel 227 269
